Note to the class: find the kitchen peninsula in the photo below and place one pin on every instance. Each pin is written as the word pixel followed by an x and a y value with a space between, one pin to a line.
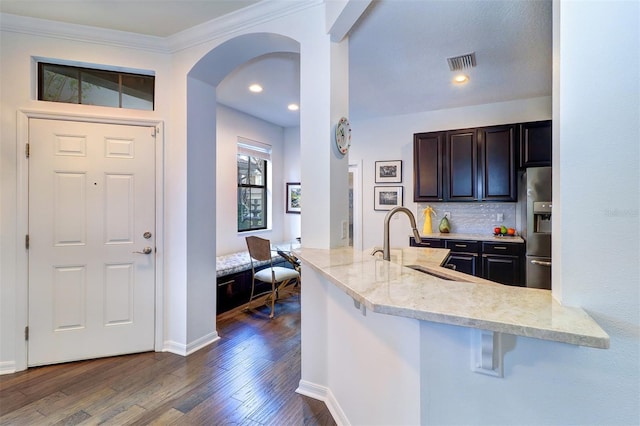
pixel 377 334
pixel 450 297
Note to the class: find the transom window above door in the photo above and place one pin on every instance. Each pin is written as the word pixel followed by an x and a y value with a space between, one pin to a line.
pixel 87 86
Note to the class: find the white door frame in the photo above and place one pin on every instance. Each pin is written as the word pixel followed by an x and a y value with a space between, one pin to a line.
pixel 22 220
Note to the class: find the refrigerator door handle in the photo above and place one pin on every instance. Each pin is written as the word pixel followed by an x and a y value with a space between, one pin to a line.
pixel 541 263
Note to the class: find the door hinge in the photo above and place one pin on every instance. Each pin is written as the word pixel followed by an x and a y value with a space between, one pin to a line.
pixel 26 333
pixel 27 150
pixel 26 241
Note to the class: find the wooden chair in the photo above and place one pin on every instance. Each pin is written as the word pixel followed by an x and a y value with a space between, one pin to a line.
pixel 277 276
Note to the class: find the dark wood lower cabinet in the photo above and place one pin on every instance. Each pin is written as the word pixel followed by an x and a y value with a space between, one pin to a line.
pixel 495 261
pixel 427 242
pixel 502 269
pixel 464 262
pixel 464 256
pixel 503 262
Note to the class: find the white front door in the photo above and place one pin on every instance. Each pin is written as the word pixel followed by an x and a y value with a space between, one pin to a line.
pixel 91 217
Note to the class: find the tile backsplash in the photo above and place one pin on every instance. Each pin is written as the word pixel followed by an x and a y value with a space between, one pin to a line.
pixel 471 218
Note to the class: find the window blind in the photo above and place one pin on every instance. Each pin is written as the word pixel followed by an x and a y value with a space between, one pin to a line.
pixel 254 149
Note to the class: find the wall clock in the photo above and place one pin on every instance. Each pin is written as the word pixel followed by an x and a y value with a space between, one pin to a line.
pixel 343 135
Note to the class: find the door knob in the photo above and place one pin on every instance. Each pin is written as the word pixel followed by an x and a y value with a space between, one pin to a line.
pixel 146 250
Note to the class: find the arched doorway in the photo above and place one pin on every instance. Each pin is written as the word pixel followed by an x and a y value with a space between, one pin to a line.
pixel 202 81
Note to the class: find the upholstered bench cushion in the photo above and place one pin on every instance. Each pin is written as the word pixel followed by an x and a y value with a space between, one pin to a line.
pixel 237 262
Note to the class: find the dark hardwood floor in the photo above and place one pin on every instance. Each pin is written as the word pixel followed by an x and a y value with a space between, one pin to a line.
pixel 248 377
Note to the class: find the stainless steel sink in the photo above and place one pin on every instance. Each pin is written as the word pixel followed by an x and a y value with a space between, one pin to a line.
pixel 430 272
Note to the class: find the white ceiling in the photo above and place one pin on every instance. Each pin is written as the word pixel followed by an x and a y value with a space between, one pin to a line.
pixel 398 51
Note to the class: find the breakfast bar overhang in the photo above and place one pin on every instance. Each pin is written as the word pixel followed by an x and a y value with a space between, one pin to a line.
pixel 378 336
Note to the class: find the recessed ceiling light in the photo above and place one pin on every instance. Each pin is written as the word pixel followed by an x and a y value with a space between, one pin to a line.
pixel 255 88
pixel 460 79
pixel 293 107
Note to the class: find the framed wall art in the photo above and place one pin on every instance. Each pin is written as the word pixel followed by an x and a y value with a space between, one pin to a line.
pixel 387 197
pixel 389 171
pixel 293 197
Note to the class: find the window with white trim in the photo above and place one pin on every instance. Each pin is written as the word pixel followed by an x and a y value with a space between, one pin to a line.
pixel 254 159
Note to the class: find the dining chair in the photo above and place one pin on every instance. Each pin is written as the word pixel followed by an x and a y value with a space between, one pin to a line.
pixel 278 276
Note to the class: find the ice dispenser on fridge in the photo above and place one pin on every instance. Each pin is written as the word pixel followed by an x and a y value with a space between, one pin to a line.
pixel 542 216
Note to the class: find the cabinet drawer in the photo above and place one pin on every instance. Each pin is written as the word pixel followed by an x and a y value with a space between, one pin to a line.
pixel 427 242
pixel 463 246
pixel 513 249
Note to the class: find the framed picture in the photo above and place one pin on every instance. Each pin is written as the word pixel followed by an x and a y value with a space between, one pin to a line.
pixel 387 197
pixel 293 197
pixel 389 171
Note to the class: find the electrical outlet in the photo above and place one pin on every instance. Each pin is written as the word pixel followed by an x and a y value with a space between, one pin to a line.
pixel 447 215
pixel 500 217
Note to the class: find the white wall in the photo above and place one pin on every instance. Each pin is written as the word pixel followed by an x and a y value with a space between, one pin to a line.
pixel 231 125
pixel 201 209
pixel 291 173
pixel 391 138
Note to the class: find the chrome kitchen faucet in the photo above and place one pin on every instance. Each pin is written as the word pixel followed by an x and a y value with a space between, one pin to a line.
pixel 386 251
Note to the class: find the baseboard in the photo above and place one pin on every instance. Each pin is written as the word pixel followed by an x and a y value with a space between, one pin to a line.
pixel 325 395
pixel 7 367
pixel 196 345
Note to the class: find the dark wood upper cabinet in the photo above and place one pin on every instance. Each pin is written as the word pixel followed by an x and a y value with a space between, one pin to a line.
pixel 428 157
pixel 466 165
pixel 461 165
pixel 497 165
pixel 535 144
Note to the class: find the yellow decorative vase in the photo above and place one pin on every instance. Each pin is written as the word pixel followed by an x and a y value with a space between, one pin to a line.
pixel 426 228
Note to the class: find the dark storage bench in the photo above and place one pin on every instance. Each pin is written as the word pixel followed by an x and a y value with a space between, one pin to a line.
pixel 233 277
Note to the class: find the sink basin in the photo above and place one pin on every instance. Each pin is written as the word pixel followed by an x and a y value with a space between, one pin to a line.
pixel 430 272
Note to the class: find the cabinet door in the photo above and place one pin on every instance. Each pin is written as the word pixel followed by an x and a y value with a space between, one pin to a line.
pixel 461 154
pixel 535 144
pixel 427 166
pixel 233 291
pixel 498 163
pixel 464 255
pixel 464 262
pixel 502 269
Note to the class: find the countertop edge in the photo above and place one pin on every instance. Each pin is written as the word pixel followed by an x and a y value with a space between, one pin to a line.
pixel 599 340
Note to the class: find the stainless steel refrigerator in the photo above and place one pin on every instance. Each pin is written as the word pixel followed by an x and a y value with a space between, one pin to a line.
pixel 537 232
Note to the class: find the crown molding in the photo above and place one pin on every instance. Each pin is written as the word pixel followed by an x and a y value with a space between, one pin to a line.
pixel 256 14
pixel 229 24
pixel 82 33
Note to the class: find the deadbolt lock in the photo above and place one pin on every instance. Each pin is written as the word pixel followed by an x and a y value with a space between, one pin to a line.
pixel 147 235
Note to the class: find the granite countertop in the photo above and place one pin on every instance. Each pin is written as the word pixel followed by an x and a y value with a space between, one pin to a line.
pixel 475 237
pixel 388 287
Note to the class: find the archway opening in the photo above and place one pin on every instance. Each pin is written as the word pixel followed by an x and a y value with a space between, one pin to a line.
pixel 202 141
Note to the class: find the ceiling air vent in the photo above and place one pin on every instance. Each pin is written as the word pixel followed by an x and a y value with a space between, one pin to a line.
pixel 461 62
